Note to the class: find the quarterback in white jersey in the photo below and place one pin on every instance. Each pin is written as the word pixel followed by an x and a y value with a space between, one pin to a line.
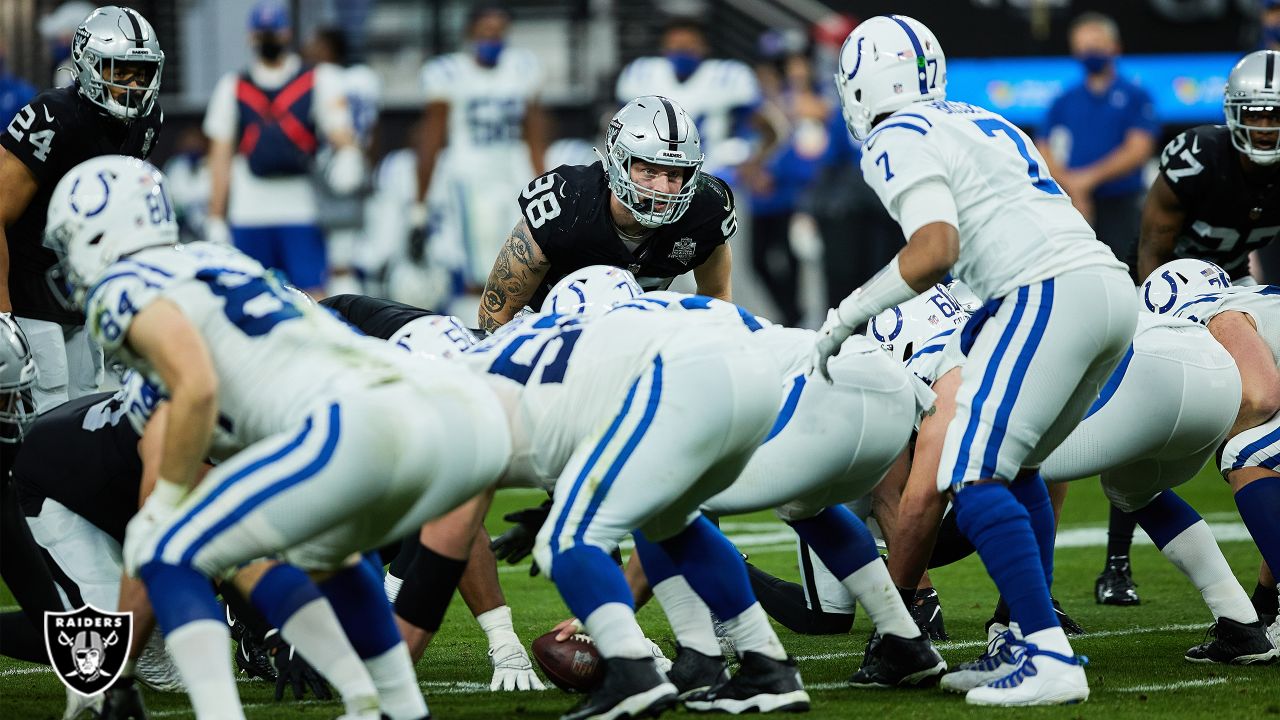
pixel 484 140
pixel 972 196
pixel 348 442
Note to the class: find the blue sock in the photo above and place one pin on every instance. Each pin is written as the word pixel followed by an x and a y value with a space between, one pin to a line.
pixel 1165 518
pixel 1259 504
pixel 280 592
pixel 999 527
pixel 712 566
pixel 179 595
pixel 361 605
pixel 587 578
pixel 657 564
pixel 840 539
pixel 1033 494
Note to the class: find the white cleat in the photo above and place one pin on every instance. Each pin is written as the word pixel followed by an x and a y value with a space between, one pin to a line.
pixel 1041 678
pixel 1003 655
pixel 79 706
pixel 1273 632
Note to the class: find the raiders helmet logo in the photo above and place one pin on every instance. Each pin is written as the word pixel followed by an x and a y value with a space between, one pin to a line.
pixel 88 647
pixel 683 250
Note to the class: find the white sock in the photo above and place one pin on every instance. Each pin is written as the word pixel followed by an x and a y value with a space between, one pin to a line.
pixel 690 618
pixel 751 632
pixel 875 591
pixel 397 683
pixel 614 629
pixel 1197 555
pixel 314 631
pixel 391 584
pixel 1052 639
pixel 498 627
pixel 199 649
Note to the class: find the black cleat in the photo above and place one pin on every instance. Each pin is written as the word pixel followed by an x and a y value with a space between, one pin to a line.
pixel 632 688
pixel 760 685
pixel 1234 643
pixel 123 701
pixel 1069 626
pixel 926 610
pixel 891 661
pixel 253 660
pixel 693 672
pixel 1000 619
pixel 1115 586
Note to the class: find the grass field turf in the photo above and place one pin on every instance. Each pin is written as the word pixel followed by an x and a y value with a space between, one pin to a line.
pixel 1136 668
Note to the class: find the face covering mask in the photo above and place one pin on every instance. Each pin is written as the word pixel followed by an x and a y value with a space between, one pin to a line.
pixel 270 48
pixel 684 63
pixel 487 51
pixel 1095 63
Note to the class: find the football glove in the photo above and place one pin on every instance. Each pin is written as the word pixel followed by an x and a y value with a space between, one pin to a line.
pixel 293 671
pixel 832 335
pixel 512 669
pixel 515 544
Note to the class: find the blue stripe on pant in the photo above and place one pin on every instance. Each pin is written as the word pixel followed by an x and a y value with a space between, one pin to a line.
pixel 1001 425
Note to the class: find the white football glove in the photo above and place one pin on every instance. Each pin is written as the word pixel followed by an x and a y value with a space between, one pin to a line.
pixel 160 505
pixel 830 338
pixel 216 231
pixel 512 669
pixel 664 665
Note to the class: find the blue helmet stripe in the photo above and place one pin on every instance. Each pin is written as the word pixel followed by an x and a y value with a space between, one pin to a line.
pixel 857 63
pixel 915 44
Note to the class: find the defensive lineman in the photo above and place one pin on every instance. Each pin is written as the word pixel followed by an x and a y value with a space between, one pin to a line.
pixel 969 190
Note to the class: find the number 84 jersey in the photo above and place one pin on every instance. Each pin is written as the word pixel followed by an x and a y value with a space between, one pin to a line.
pixel 1016 224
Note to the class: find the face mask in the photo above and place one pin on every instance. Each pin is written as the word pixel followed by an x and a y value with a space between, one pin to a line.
pixel 487 51
pixel 1095 62
pixel 684 63
pixel 1271 34
pixel 270 48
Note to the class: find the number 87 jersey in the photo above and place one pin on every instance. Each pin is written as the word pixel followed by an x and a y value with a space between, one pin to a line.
pixel 1016 224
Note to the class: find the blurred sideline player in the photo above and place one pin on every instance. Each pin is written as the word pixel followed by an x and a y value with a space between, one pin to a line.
pixel 646 207
pixel 484 137
pixel 1058 319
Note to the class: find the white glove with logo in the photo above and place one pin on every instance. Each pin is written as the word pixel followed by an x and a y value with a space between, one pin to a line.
pixel 512 669
pixel 830 338
pixel 139 533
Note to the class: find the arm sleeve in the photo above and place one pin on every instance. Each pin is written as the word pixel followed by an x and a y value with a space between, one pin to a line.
pixel 900 157
pixel 221 117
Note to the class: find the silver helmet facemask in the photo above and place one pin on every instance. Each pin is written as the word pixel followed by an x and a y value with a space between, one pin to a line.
pixel 17 379
pixel 1254 87
pixel 115 49
pixel 657 131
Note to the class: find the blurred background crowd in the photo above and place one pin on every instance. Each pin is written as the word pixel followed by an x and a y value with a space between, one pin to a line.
pixel 420 120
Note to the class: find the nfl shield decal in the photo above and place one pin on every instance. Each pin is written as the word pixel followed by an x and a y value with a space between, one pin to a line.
pixel 683 250
pixel 88 647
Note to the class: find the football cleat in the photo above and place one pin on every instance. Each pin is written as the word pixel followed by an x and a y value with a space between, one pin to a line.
pixel 632 688
pixel 1115 586
pixel 1004 653
pixel 761 684
pixel 694 672
pixel 1069 626
pixel 82 706
pixel 1234 643
pixel 891 661
pixel 926 610
pixel 253 659
pixel 999 621
pixel 1041 677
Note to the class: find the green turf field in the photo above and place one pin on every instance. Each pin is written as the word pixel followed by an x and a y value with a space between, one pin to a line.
pixel 1136 668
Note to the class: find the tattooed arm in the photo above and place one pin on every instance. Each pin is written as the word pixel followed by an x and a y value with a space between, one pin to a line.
pixel 1162 218
pixel 516 274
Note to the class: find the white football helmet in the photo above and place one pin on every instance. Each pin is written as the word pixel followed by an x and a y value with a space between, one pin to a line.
pixel 591 290
pixel 442 336
pixel 103 209
pixel 887 63
pixel 1177 281
pixel 902 329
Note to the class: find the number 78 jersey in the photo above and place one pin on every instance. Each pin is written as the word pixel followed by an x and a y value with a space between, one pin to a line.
pixel 1016 224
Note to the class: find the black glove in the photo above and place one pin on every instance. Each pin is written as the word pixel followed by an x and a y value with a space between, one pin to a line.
pixel 123 701
pixel 926 610
pixel 293 671
pixel 515 544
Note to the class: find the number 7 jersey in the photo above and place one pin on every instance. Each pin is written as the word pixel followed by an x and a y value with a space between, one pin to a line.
pixel 1016 224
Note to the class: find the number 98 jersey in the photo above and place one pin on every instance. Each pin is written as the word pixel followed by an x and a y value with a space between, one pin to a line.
pixel 1016 225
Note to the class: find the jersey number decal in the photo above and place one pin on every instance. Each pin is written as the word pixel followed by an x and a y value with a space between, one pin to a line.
pixel 1186 155
pixel 883 159
pixel 545 207
pixel 1228 238
pixel 519 358
pixel 41 139
pixel 991 126
pixel 253 304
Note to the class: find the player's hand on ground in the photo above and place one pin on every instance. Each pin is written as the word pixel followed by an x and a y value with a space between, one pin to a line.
pixel 830 338
pixel 512 669
pixel 515 544
pixel 567 629
pixel 292 671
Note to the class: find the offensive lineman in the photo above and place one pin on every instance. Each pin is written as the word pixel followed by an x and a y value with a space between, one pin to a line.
pixel 646 207
pixel 969 191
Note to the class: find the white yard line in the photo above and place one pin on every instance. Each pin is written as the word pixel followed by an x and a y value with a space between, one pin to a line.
pixel 1181 685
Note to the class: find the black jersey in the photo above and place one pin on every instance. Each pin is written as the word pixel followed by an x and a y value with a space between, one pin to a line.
pixel 1228 214
pixel 571 222
pixel 53 133
pixel 84 455
pixel 374 316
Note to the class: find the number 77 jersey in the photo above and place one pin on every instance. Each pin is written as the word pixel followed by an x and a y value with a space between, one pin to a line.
pixel 1016 224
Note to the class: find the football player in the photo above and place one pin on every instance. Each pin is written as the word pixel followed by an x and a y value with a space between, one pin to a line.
pixel 312 403
pixel 112 108
pixel 646 207
pixel 971 195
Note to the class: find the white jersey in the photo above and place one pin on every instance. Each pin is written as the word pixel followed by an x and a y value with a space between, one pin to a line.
pixel 1016 225
pixel 1259 302
pixel 486 112
pixel 276 357
pixel 710 95
pixel 363 90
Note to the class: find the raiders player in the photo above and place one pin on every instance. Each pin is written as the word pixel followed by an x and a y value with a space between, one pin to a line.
pixel 1217 196
pixel 646 207
pixel 111 108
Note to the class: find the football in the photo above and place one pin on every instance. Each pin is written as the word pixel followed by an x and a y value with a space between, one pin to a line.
pixel 573 665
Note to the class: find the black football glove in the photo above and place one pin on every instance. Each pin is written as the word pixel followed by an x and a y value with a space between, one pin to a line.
pixel 926 610
pixel 123 701
pixel 293 671
pixel 515 544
